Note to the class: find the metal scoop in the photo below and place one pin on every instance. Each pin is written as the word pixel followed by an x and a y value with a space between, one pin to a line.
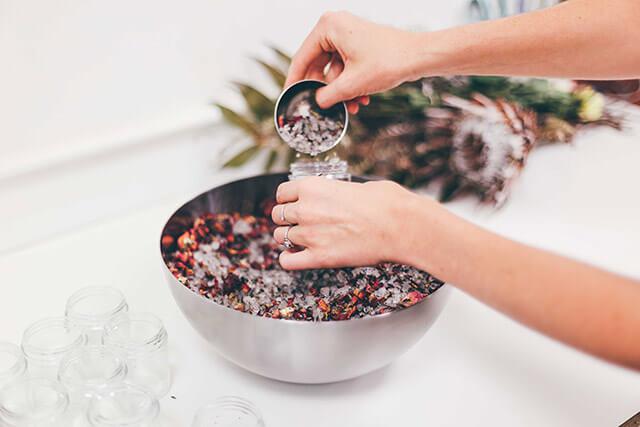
pixel 303 125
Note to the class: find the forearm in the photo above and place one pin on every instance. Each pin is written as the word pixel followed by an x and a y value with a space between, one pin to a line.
pixel 583 306
pixel 586 39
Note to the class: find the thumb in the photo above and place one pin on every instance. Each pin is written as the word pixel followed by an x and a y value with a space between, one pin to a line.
pixel 343 88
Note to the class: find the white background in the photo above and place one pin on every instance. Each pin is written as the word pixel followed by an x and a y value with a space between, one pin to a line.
pixel 105 104
pixel 105 128
pixel 78 72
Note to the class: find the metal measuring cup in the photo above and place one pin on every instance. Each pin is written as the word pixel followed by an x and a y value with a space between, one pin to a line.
pixel 303 125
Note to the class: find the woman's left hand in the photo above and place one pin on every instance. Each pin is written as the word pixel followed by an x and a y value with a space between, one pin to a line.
pixel 341 223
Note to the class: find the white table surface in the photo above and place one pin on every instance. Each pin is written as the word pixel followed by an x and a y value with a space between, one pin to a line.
pixel 474 367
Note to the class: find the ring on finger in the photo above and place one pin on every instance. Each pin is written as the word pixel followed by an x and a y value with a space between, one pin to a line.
pixel 283 217
pixel 286 242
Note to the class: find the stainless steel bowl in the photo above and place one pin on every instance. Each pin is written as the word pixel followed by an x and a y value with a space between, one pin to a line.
pixel 290 350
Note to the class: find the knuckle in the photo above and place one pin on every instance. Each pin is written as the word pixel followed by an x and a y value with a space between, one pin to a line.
pixel 308 185
pixel 283 189
pixel 333 17
pixel 327 16
pixel 303 213
pixel 308 234
pixel 274 215
pixel 276 234
pixel 284 260
pixel 384 184
pixel 325 259
pixel 294 214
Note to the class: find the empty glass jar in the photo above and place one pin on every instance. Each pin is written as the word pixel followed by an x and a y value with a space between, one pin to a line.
pixel 36 402
pixel 91 308
pixel 229 411
pixel 144 342
pixel 333 169
pixel 89 370
pixel 46 342
pixel 12 363
pixel 124 406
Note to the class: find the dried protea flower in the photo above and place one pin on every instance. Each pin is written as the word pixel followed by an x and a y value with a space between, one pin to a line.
pixel 490 145
pixel 403 152
pixel 556 130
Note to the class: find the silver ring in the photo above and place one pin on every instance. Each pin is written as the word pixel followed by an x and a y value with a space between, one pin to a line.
pixel 286 242
pixel 283 219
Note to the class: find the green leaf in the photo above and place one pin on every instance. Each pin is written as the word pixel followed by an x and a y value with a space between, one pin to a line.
pixel 259 104
pixel 242 157
pixel 277 75
pixel 271 160
pixel 281 54
pixel 239 120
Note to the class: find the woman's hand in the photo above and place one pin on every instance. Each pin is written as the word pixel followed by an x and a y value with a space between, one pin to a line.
pixel 364 58
pixel 342 223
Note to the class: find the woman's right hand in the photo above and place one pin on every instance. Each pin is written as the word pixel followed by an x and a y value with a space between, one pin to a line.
pixel 365 58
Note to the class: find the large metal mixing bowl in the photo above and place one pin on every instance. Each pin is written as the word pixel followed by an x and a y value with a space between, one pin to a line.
pixel 290 350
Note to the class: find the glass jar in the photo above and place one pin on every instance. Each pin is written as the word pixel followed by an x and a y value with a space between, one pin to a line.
pixel 91 308
pixel 229 411
pixel 46 342
pixel 144 342
pixel 12 363
pixel 34 402
pixel 332 169
pixel 124 406
pixel 86 371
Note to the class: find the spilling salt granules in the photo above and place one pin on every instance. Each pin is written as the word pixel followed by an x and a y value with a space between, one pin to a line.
pixel 232 259
pixel 311 133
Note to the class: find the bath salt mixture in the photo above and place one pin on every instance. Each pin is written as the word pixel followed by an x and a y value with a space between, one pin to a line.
pixel 232 259
pixel 310 133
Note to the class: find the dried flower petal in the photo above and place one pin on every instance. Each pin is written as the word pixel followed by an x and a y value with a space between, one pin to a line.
pixel 231 259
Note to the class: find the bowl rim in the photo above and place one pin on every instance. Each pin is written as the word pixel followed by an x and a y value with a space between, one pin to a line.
pixel 175 281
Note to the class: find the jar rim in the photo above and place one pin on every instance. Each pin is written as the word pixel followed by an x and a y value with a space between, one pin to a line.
pixel 72 313
pixel 151 407
pixel 76 355
pixel 132 345
pixel 33 350
pixel 18 367
pixel 234 403
pixel 333 168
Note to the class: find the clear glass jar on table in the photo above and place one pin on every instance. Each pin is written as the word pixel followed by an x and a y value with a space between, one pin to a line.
pixel 125 405
pixel 229 411
pixel 46 342
pixel 34 402
pixel 88 371
pixel 91 308
pixel 12 363
pixel 144 342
